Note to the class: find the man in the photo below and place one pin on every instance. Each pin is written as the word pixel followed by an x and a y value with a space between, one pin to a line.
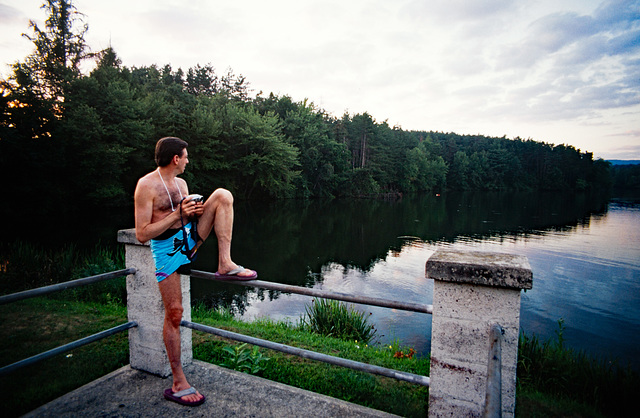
pixel 168 216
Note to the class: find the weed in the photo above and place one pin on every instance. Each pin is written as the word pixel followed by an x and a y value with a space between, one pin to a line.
pixel 28 266
pixel 337 319
pixel 397 351
pixel 221 313
pixel 551 368
pixel 240 358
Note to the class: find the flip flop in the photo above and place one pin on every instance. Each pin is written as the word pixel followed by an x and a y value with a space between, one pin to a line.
pixel 233 275
pixel 177 396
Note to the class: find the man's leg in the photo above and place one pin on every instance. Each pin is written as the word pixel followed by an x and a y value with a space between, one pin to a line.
pixel 218 215
pixel 172 298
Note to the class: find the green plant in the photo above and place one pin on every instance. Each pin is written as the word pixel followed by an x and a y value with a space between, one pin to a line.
pixel 31 326
pixel 257 361
pixel 398 351
pixel 240 358
pixel 27 266
pixel 221 313
pixel 334 318
pixel 551 368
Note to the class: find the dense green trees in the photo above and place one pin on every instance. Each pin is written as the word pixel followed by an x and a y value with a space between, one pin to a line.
pixel 626 177
pixel 87 138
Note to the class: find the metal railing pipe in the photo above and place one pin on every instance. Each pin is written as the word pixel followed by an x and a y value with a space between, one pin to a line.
pixel 406 306
pixel 67 347
pixel 63 286
pixel 493 400
pixel 312 355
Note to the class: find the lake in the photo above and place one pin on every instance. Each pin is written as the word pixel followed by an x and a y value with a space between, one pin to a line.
pixel 584 252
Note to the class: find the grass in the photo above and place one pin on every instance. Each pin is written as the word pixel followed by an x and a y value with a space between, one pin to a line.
pixel 337 319
pixel 365 389
pixel 550 370
pixel 32 326
pixel 535 404
pixel 553 380
pixel 27 266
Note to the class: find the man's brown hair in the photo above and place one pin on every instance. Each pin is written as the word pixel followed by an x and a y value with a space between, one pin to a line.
pixel 167 147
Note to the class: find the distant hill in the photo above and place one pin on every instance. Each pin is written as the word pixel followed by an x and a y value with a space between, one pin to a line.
pixel 624 162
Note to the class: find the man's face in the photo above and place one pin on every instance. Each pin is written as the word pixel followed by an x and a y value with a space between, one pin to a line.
pixel 183 161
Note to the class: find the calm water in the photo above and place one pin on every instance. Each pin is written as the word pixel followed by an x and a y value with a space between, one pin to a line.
pixel 584 253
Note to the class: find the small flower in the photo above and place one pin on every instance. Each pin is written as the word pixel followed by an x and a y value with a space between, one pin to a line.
pixel 69 355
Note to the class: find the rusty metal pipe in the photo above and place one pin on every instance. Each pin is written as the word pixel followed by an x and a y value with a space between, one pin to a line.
pixel 365 300
pixel 312 355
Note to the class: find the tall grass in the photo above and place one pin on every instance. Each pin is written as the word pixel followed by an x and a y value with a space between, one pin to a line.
pixel 28 266
pixel 551 368
pixel 336 319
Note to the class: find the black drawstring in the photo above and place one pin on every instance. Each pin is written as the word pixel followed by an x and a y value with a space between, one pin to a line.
pixel 194 232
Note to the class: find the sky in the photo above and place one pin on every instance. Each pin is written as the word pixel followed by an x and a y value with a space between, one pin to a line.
pixel 555 71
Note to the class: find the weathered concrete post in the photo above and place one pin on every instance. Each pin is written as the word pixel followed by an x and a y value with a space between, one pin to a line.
pixel 472 291
pixel 144 305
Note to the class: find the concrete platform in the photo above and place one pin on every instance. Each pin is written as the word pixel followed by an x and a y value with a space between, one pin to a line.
pixel 132 393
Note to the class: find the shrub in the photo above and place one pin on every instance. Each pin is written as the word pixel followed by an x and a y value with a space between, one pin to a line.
pixel 337 319
pixel 240 358
pixel 551 368
pixel 29 266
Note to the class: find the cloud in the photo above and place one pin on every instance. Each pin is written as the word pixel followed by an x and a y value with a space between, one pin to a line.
pixel 546 36
pixel 457 11
pixel 631 133
pixel 618 12
pixel 623 152
pixel 625 43
pixel 568 66
pixel 8 14
pixel 486 66
pixel 612 30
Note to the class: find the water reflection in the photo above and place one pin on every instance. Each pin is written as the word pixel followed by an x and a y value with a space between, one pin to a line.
pixel 584 254
pixel 291 241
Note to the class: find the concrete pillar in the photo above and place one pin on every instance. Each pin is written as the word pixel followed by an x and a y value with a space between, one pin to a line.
pixel 472 291
pixel 144 305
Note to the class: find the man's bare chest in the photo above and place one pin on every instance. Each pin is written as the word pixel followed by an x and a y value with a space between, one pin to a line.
pixel 167 198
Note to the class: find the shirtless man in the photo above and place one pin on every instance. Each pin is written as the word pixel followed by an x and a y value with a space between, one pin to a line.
pixel 166 215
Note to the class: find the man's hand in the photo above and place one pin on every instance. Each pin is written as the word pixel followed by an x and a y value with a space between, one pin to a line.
pixel 192 208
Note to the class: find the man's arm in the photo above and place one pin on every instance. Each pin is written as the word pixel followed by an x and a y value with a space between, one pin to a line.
pixel 143 202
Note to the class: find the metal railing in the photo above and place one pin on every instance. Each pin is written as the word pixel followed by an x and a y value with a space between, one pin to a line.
pixel 493 400
pixel 312 355
pixel 75 344
pixel 41 291
pixel 365 300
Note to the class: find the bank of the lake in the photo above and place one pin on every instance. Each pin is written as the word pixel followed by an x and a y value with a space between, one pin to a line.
pixel 66 319
pixel 584 251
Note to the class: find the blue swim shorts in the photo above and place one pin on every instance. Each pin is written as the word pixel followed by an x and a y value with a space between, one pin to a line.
pixel 169 252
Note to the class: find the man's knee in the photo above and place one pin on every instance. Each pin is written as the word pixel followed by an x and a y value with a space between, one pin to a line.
pixel 223 196
pixel 174 314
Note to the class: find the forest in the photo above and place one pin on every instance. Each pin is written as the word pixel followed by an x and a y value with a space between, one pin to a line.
pixel 72 141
